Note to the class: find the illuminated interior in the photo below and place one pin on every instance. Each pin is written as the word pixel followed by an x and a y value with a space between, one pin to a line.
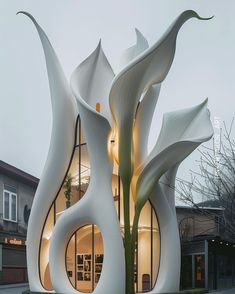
pixel 84 255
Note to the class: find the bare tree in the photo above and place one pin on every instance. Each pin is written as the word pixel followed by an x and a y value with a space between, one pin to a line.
pixel 214 183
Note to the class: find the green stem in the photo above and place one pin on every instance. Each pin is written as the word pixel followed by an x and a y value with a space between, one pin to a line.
pixel 135 231
pixel 127 239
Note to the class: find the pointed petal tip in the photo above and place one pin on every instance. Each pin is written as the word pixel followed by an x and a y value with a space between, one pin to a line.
pixel 195 14
pixel 139 35
pixel 137 31
pixel 21 12
pixel 28 15
pixel 99 46
pixel 25 13
pixel 205 18
pixel 205 101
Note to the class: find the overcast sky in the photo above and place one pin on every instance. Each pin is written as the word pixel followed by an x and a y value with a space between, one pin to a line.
pixel 204 64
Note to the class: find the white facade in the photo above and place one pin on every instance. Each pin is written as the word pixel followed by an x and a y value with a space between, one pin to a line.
pixel 116 114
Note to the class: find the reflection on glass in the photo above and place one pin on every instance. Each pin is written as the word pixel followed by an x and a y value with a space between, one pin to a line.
pixel 155 248
pixel 72 190
pixel 44 251
pixel 84 254
pixel 144 249
pixel 6 205
pixel 70 260
pixel 87 254
pixel 199 271
pixel 186 272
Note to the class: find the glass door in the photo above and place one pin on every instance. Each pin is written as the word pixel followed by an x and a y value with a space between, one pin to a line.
pixel 199 271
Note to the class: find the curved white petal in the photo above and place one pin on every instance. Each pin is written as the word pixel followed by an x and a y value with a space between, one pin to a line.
pixel 96 207
pixel 143 122
pixel 182 125
pixel 182 131
pixel 132 52
pixel 149 68
pixel 92 81
pixel 64 112
pixel 187 129
pixel 170 260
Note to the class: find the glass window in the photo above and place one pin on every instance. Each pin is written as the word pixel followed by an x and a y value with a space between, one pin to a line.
pixel 9 205
pixel 186 272
pixel 147 251
pixel 72 190
pixel 6 205
pixel 84 258
pixel 13 207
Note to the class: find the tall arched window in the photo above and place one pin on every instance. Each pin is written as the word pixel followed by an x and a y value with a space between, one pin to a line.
pixel 84 255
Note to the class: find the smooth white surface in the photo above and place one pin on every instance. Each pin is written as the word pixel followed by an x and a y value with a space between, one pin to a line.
pixel 93 80
pixel 182 131
pixel 62 141
pixel 96 206
pixel 143 122
pixel 150 68
pixel 135 50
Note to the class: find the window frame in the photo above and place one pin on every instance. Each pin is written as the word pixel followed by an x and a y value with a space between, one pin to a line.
pixel 11 195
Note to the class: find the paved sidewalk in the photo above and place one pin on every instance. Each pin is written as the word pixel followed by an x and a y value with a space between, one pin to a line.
pixel 19 288
pixel 228 291
pixel 13 289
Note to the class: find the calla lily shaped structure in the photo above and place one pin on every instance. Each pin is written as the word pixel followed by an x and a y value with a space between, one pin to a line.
pixel 115 112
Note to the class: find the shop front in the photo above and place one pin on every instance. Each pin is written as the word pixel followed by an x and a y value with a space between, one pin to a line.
pixel 13 259
pixel 208 263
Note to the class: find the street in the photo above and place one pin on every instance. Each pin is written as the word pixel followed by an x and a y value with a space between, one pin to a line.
pixel 229 291
pixel 18 289
pixel 13 289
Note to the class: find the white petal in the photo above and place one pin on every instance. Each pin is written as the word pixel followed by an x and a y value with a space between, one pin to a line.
pixel 64 112
pixel 96 207
pixel 149 68
pixel 132 52
pixel 143 122
pixel 92 79
pixel 170 243
pixel 182 132
pixel 183 125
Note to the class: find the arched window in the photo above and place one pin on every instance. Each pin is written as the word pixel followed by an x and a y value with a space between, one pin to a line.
pixel 84 255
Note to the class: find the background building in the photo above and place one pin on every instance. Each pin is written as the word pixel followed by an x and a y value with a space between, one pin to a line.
pixel 17 189
pixel 208 256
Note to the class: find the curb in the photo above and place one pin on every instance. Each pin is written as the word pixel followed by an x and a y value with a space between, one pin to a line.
pixel 9 286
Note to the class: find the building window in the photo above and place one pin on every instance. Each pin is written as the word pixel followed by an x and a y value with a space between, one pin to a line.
pixel 9 204
pixel 84 254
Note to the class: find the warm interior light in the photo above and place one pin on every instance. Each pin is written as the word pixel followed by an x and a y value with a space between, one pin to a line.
pixel 98 107
pixel 113 145
pixel 48 237
pixel 142 229
pixel 60 212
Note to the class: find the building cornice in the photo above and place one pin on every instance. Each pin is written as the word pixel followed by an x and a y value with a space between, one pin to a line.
pixel 18 174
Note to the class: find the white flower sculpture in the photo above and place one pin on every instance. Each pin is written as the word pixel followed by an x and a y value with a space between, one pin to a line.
pixel 118 133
